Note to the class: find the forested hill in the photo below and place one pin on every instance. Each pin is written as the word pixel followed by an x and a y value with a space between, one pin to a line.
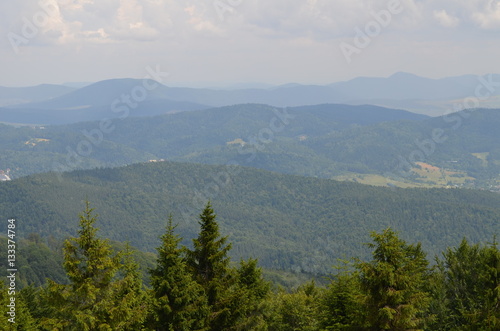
pixel 289 222
pixel 368 144
pixel 207 136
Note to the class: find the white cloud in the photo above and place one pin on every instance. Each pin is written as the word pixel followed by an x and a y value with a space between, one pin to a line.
pixel 199 22
pixel 489 16
pixel 445 19
pixel 252 37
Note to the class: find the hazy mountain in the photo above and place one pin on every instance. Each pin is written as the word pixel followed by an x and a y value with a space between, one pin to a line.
pixel 93 102
pixel 105 99
pixel 423 95
pixel 405 86
pixel 77 84
pixel 23 95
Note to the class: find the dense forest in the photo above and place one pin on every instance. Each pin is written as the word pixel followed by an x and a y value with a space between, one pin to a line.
pixel 200 288
pixel 291 223
pixel 327 141
pixel 185 136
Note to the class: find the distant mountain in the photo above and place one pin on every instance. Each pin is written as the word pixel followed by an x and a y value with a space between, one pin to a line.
pixel 93 102
pixel 208 136
pixel 23 95
pixel 405 86
pixel 86 113
pixel 369 144
pixel 106 99
pixel 414 93
pixel 287 222
pixel 77 84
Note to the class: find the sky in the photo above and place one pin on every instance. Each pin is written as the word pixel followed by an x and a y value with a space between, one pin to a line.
pixel 218 42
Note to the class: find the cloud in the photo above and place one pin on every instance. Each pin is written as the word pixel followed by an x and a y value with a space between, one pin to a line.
pixel 445 19
pixel 200 22
pixel 489 16
pixel 254 38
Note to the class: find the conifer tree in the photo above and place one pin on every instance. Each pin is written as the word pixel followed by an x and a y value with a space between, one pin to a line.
pixel 131 302
pixel 297 310
pixel 393 283
pixel 91 299
pixel 251 307
pixel 472 285
pixel 341 308
pixel 179 301
pixel 19 318
pixel 209 264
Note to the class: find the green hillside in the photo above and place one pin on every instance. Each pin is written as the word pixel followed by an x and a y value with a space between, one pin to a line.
pixel 361 143
pixel 210 136
pixel 288 222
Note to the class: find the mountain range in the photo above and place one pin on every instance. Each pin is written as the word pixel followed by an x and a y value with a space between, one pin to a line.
pixel 368 144
pixel 49 104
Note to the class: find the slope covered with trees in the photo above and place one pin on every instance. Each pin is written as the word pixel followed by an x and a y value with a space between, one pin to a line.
pixel 288 222
pixel 199 289
pixel 328 141
pixel 189 136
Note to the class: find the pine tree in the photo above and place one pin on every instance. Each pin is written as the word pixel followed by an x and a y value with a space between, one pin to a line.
pixel 91 299
pixel 393 283
pixel 295 311
pixel 251 307
pixel 472 284
pixel 209 264
pixel 340 305
pixel 131 302
pixel 19 318
pixel 179 301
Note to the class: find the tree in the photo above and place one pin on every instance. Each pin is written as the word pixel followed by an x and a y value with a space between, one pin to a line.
pixel 472 283
pixel 209 264
pixel 14 310
pixel 296 311
pixel 235 296
pixel 341 308
pixel 94 299
pixel 131 302
pixel 253 291
pixel 393 283
pixel 179 301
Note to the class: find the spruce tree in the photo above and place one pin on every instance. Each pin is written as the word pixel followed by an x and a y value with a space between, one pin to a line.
pixel 91 300
pixel 340 305
pixel 472 284
pixel 179 301
pixel 297 310
pixel 393 284
pixel 18 319
pixel 131 302
pixel 209 264
pixel 251 307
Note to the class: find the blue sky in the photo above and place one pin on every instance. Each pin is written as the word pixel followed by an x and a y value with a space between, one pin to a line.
pixel 227 41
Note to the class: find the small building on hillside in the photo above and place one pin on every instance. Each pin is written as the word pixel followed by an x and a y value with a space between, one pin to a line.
pixel 4 175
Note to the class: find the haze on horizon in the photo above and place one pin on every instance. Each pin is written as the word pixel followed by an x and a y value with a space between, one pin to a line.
pixel 230 41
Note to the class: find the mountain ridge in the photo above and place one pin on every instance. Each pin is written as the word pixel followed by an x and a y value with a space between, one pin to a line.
pixel 400 90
